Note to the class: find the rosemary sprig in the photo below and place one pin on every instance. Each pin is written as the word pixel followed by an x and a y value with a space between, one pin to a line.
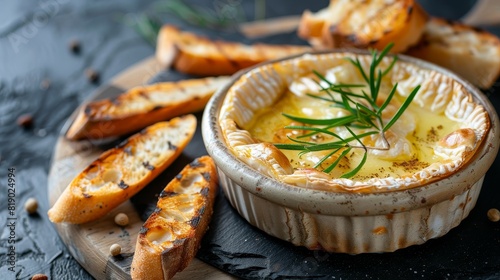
pixel 224 15
pixel 362 113
pixel 147 26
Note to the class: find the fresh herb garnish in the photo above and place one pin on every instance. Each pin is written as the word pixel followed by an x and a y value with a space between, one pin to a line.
pixel 147 26
pixel 222 15
pixel 362 113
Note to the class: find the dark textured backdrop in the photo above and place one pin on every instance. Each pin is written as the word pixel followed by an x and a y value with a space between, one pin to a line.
pixel 39 75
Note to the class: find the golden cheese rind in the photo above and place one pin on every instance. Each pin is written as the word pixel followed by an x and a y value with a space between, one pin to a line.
pixel 439 95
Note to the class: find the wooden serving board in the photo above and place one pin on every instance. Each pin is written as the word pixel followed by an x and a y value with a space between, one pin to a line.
pixel 233 245
pixel 89 243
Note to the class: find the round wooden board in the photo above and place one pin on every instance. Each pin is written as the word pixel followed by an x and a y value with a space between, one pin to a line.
pixel 89 243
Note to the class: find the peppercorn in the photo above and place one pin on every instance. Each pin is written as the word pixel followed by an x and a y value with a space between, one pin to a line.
pixel 493 215
pixel 121 219
pixel 92 75
pixel 25 121
pixel 115 250
pixel 31 205
pixel 74 46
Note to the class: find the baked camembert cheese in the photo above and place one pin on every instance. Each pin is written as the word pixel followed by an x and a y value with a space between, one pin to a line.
pixel 436 135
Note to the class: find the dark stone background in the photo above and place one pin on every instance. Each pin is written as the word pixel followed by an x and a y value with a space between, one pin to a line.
pixel 39 75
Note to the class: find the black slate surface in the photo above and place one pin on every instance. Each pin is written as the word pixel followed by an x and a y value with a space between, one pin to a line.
pixel 39 75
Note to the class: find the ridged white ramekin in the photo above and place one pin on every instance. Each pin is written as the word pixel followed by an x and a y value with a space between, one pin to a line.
pixel 351 222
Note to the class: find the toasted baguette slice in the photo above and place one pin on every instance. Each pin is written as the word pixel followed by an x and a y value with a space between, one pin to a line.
pixel 364 24
pixel 121 172
pixel 142 106
pixel 171 236
pixel 470 52
pixel 197 55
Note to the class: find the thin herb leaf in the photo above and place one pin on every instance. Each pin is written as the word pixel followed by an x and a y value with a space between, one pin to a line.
pixel 348 85
pixel 315 132
pixel 289 146
pixel 384 52
pixel 362 113
pixel 316 129
pixel 304 143
pixel 346 93
pixel 387 100
pixel 360 126
pixel 366 110
pixel 355 171
pixel 322 98
pixel 358 65
pixel 326 146
pixel 372 80
pixel 347 105
pixel 361 163
pixel 323 89
pixel 321 77
pixel 335 121
pixel 336 162
pixel 326 157
pixel 368 115
pixel 366 97
pixel 377 83
pixel 403 107
pixel 329 145
pixel 389 68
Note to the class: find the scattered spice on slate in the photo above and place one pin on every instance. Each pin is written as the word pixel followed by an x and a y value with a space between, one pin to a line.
pixel 31 205
pixel 115 250
pixel 74 46
pixel 493 215
pixel 121 219
pixel 25 121
pixel 92 75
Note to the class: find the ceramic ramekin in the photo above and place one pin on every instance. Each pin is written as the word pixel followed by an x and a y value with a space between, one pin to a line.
pixel 350 222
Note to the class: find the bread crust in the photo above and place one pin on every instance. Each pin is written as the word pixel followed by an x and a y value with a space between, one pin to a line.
pixel 142 106
pixel 121 172
pixel 470 52
pixel 400 22
pixel 171 236
pixel 197 55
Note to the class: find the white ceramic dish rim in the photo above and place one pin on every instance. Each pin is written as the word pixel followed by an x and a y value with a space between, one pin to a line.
pixel 340 203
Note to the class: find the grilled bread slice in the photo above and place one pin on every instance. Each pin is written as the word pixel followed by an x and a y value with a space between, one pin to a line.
pixel 170 237
pixel 364 24
pixel 468 51
pixel 121 172
pixel 193 54
pixel 142 106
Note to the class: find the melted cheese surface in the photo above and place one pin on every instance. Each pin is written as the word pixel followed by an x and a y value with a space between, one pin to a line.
pixel 437 134
pixel 412 138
